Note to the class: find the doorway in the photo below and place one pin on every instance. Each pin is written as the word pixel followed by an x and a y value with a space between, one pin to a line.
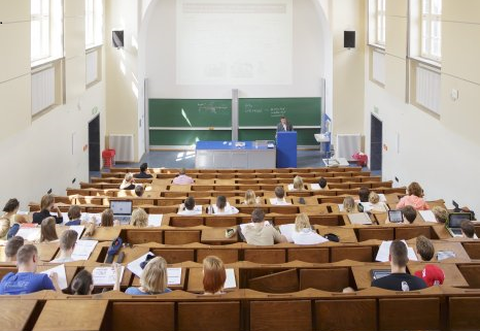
pixel 376 143
pixel 94 144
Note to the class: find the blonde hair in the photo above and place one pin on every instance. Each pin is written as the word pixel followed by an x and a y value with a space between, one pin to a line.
pixel 441 214
pixel 46 201
pixel 154 276
pixel 47 230
pixel 250 198
pixel 214 274
pixel 302 222
pixel 298 183
pixel 348 204
pixel 373 197
pixel 139 218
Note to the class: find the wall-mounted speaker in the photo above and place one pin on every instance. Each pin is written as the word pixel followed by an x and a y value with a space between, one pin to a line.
pixel 349 39
pixel 117 38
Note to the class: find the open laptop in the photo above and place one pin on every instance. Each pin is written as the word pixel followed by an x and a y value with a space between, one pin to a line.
pixel 454 222
pixel 122 210
pixel 395 216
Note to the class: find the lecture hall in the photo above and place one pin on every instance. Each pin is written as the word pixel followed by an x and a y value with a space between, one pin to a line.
pixel 239 165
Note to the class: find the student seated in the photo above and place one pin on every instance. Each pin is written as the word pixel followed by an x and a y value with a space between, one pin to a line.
pixel 182 178
pixel 322 182
pixel 297 184
pixel 48 231
pixel 82 284
pixel 413 198
pixel 279 197
pixel 376 204
pixel 399 280
pixel 222 207
pixel 468 229
pixel 67 245
pixel 8 218
pixel 47 205
pixel 107 220
pixel 431 275
pixel 188 208
pixel 214 275
pixel 74 215
pixel 425 248
pixel 143 172
pixel 251 198
pixel 409 214
pixel 139 190
pixel 153 280
pixel 304 234
pixel 128 182
pixel 12 247
pixel 26 280
pixel 139 218
pixel 349 205
pixel 364 194
pixel 259 233
pixel 441 214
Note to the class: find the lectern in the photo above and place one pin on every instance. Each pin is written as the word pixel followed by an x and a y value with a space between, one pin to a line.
pixel 287 149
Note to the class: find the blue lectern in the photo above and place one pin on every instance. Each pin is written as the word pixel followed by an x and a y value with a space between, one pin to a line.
pixel 287 149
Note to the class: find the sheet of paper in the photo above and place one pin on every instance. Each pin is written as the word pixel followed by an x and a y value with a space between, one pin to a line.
pixel 78 229
pixel 88 216
pixel 367 206
pixel 290 187
pixel 174 276
pixel 340 207
pixel 62 275
pixel 428 216
pixel 287 231
pixel 274 201
pixel 106 276
pixel 359 218
pixel 384 252
pixel 315 187
pixel 382 197
pixel 155 219
pixel 230 282
pixel 83 249
pixel 134 266
pixel 29 233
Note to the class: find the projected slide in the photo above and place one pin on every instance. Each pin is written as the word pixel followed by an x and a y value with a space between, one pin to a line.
pixel 234 42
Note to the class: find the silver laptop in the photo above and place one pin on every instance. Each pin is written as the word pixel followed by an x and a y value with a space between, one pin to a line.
pixel 454 222
pixel 122 210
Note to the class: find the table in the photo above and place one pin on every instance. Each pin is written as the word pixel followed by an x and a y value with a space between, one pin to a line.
pixel 336 162
pixel 216 236
pixel 234 155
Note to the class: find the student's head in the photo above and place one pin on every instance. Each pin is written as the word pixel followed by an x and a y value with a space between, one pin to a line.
pixel 107 217
pixel 322 182
pixel 441 214
pixel 221 202
pixel 258 215
pixel 11 206
pixel 214 274
pixel 298 183
pixel 348 204
pixel 468 230
pixel 82 284
pixel 47 202
pixel 373 197
pixel 415 189
pixel 74 212
pixel 279 192
pixel 48 231
pixel 364 193
pixel 27 255
pixel 189 203
pixel 398 253
pixel 143 167
pixel 425 248
pixel 182 171
pixel 12 247
pixel 154 276
pixel 68 240
pixel 128 177
pixel 302 222
pixel 139 218
pixel 409 213
pixel 139 190
pixel 250 198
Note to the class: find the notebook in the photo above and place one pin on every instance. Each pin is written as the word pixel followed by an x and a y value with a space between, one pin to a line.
pixel 122 210
pixel 454 222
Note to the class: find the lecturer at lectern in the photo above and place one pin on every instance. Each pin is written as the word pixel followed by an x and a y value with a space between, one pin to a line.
pixel 284 125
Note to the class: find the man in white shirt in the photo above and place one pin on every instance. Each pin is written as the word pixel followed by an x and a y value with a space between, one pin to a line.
pixel 188 208
pixel 67 245
pixel 222 207
pixel 279 197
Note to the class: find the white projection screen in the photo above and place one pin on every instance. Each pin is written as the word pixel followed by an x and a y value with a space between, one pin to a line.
pixel 234 42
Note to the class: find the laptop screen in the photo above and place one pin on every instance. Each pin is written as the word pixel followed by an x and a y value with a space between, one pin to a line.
pixel 380 273
pixel 455 219
pixel 395 216
pixel 121 207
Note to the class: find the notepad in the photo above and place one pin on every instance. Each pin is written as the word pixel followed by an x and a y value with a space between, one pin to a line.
pixel 359 218
pixel 155 219
pixel 83 249
pixel 106 276
pixel 29 233
pixel 315 187
pixel 427 216
pixel 384 252
pixel 287 230
pixel 275 201
pixel 62 275
pixel 78 229
pixel 134 266
pixel 174 276
pixel 230 282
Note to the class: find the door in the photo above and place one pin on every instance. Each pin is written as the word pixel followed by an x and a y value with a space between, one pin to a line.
pixel 94 144
pixel 376 143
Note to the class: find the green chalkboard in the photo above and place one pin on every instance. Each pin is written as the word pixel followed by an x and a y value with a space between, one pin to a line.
pixel 190 113
pixel 267 112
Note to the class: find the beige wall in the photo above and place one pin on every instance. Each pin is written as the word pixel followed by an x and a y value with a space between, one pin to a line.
pixel 48 151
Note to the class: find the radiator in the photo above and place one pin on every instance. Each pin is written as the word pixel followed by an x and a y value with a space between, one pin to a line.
pixel 123 146
pixel 43 90
pixel 347 145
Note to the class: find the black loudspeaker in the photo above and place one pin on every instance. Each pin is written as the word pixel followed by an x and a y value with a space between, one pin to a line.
pixel 117 38
pixel 349 39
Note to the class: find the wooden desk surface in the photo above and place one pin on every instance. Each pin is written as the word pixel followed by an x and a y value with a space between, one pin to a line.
pixel 181 286
pixel 195 280
pixel 216 236
pixel 47 251
pixel 453 276
pixel 15 314
pixel 74 315
pixel 362 274
pixel 3 258
pixel 456 247
pixel 106 233
pixel 345 234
